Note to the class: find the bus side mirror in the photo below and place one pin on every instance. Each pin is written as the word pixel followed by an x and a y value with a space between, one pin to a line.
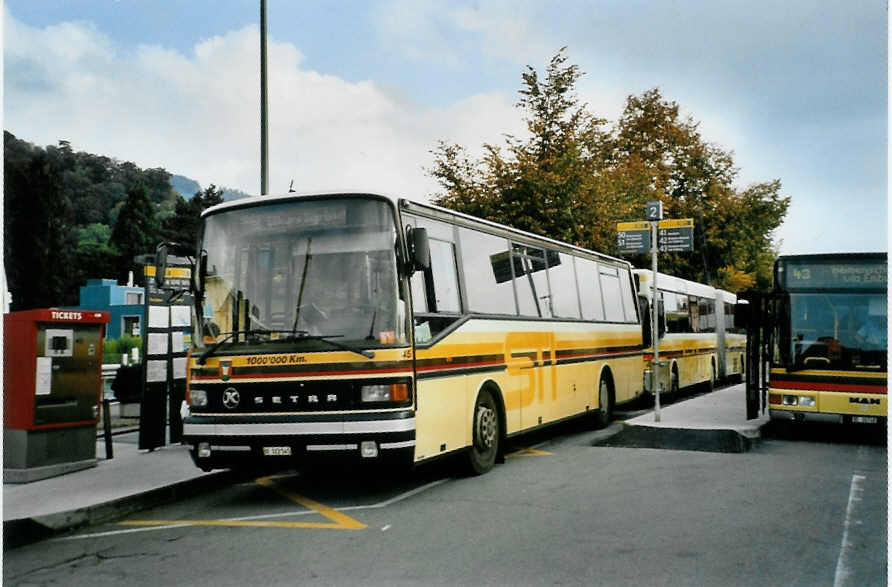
pixel 419 249
pixel 160 264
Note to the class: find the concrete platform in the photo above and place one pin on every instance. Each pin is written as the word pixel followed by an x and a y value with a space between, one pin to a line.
pixel 133 480
pixel 711 422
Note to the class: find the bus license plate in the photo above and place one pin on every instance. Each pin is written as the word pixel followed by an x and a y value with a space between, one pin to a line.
pixel 277 451
pixel 864 419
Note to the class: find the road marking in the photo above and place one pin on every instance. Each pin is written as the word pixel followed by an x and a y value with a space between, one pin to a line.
pixel 527 452
pixel 341 521
pixel 338 520
pixel 842 566
pixel 187 523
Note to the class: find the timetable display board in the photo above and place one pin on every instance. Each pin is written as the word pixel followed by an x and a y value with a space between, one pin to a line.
pixel 167 336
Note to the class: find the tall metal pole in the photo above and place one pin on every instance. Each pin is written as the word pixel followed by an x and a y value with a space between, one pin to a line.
pixel 654 331
pixel 264 155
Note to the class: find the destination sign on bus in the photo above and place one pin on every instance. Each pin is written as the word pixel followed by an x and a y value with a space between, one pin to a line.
pixel 802 274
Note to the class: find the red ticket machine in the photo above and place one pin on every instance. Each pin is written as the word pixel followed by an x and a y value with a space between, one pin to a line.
pixel 52 372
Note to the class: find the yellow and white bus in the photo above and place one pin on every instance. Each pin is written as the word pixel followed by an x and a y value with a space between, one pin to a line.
pixel 354 325
pixel 698 341
pixel 824 337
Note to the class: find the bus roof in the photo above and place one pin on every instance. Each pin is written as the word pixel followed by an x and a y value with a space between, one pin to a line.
pixel 677 284
pixel 403 203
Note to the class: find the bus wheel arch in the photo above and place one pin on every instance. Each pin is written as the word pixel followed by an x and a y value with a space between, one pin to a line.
pixel 606 391
pixel 487 430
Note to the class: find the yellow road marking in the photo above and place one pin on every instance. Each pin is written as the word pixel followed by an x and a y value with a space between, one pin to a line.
pixel 527 452
pixel 339 521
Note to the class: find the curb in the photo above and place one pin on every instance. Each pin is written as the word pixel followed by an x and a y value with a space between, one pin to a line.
pixel 702 440
pixel 29 530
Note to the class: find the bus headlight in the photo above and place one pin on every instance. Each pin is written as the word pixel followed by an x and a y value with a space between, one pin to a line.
pixel 198 398
pixel 393 392
pixel 807 401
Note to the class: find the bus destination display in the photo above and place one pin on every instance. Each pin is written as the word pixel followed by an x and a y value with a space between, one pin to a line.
pixel 834 275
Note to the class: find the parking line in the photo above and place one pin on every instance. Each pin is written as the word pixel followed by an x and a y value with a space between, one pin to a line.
pixel 527 452
pixel 842 565
pixel 187 523
pixel 341 521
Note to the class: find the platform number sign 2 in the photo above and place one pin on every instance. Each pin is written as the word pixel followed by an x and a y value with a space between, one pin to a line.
pixel 654 211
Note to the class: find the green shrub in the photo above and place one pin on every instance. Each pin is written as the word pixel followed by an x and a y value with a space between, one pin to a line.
pixel 114 348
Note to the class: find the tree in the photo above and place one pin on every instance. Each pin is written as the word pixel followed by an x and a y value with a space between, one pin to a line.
pixel 543 183
pixel 37 230
pixel 185 223
pixel 136 231
pixel 573 179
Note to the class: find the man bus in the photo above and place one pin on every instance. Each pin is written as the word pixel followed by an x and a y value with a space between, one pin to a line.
pixel 360 326
pixel 823 339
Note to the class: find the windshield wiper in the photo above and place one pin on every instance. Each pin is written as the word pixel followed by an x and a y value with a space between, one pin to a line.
pixel 303 335
pixel 229 336
pixel 293 336
pixel 299 335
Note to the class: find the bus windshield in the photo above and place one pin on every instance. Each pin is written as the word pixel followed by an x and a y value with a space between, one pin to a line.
pixel 302 270
pixel 838 330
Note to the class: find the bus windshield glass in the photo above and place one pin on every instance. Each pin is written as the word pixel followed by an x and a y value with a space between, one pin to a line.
pixel 304 270
pixel 838 330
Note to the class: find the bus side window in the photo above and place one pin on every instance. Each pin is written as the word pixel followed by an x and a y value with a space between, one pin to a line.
pixel 613 302
pixel 589 289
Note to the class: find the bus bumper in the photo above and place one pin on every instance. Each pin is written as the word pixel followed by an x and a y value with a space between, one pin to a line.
pixel 280 442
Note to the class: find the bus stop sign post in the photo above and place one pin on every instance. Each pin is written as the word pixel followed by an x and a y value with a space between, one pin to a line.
pixel 653 214
pixel 654 234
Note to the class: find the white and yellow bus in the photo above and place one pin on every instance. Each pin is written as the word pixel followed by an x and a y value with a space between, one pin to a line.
pixel 698 342
pixel 824 346
pixel 361 326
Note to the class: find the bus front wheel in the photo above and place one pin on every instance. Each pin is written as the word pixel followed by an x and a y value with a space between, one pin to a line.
pixel 486 434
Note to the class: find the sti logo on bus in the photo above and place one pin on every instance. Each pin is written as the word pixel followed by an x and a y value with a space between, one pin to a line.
pixel 870 401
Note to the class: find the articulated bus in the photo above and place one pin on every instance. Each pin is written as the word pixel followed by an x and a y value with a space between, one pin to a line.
pixel 698 341
pixel 823 344
pixel 365 327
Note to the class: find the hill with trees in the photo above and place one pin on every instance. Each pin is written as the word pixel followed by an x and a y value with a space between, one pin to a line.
pixel 70 216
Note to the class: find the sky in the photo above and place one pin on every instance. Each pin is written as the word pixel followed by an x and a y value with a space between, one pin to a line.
pixel 360 92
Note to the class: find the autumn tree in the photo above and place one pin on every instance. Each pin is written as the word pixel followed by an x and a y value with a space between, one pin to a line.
pixel 660 152
pixel 542 183
pixel 573 178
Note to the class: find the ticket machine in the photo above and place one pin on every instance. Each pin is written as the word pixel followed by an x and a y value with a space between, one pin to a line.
pixel 52 371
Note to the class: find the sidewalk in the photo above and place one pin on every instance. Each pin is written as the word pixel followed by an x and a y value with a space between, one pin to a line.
pixel 712 422
pixel 133 480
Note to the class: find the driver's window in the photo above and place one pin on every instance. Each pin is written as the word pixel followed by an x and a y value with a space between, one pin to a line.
pixel 435 291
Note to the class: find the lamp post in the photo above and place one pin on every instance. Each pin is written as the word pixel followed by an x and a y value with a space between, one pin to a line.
pixel 264 154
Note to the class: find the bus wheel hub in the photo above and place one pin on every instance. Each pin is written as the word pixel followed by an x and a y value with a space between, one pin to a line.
pixel 486 427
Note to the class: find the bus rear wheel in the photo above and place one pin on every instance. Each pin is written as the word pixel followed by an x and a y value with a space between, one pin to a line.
pixel 486 434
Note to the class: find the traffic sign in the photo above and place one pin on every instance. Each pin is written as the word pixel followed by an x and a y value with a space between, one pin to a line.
pixel 653 210
pixel 633 237
pixel 675 236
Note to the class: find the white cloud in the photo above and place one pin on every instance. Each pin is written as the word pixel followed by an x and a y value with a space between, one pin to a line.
pixel 198 114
